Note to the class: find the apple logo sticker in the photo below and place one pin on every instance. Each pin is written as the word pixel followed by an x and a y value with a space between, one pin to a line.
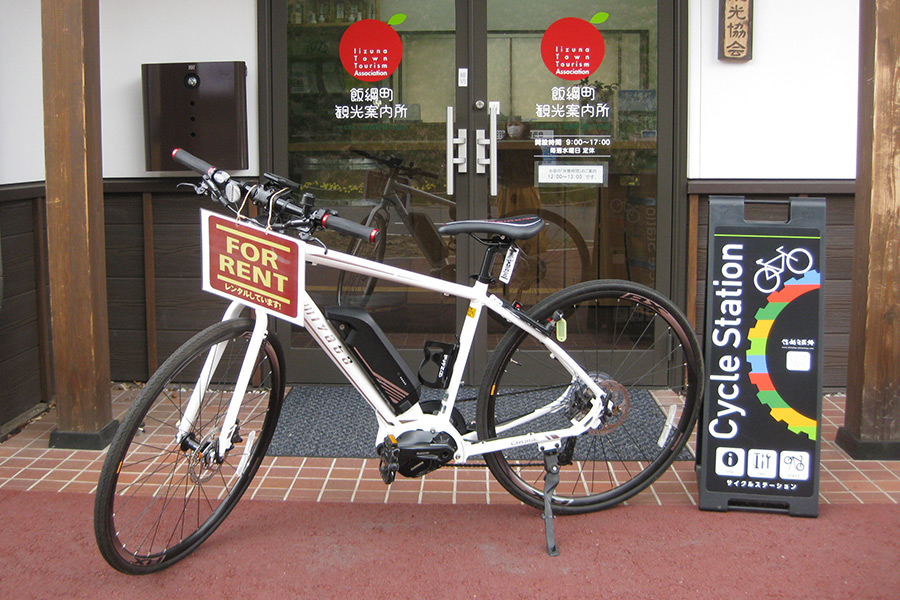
pixel 371 50
pixel 573 48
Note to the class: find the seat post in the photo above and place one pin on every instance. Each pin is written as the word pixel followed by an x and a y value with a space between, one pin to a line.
pixel 494 247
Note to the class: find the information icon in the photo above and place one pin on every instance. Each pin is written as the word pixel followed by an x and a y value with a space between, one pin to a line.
pixel 730 462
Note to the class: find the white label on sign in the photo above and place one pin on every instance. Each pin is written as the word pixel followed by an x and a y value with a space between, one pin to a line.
pixel 798 360
pixel 557 174
pixel 762 464
pixel 795 466
pixel 509 264
pixel 462 78
pixel 730 462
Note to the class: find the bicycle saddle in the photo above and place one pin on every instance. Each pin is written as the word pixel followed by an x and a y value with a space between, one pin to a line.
pixel 516 228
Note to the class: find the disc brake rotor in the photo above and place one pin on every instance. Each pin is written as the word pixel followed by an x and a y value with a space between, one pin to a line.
pixel 202 463
pixel 618 397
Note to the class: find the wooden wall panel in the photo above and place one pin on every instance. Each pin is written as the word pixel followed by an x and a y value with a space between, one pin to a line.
pixel 125 291
pixel 128 361
pixel 20 351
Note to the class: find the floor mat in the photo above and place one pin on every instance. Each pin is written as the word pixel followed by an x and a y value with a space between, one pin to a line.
pixel 334 421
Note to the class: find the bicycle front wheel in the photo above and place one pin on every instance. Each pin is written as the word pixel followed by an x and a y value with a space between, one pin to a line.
pixel 640 350
pixel 159 498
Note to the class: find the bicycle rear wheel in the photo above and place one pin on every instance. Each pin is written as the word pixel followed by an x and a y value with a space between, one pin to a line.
pixel 158 499
pixel 639 348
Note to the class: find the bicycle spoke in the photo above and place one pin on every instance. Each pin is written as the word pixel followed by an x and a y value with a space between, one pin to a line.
pixel 627 346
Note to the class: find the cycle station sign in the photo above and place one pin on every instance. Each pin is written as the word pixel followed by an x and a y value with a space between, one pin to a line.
pixel 260 268
pixel 760 432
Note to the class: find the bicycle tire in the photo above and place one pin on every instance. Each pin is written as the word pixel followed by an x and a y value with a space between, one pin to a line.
pixel 638 347
pixel 157 499
pixel 354 289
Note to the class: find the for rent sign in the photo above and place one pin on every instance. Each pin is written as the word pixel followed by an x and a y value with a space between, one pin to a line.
pixel 254 266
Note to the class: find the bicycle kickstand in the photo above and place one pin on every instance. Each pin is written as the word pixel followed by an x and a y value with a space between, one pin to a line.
pixel 551 480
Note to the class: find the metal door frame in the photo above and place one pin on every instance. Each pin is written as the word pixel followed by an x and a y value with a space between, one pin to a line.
pixel 471 54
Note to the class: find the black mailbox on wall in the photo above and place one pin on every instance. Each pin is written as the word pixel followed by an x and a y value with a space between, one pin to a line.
pixel 201 107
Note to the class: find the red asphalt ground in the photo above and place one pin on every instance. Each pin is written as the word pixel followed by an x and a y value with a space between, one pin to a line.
pixel 274 549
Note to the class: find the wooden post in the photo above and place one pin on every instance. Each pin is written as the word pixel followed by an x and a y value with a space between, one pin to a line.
pixel 75 222
pixel 872 423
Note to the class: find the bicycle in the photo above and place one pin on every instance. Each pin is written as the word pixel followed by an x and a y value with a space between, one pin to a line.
pixel 798 261
pixel 586 400
pixel 558 257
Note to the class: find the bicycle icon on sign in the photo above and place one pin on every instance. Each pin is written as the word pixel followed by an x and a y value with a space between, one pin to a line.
pixel 795 462
pixel 768 277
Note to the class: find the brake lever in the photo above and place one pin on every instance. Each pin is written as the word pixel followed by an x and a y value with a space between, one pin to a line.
pixel 198 189
pixel 207 189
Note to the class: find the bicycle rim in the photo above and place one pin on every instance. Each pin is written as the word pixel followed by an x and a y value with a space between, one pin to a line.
pixel 158 499
pixel 640 350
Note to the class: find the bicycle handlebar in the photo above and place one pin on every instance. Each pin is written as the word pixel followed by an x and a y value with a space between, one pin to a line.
pixel 348 227
pixel 192 162
pixel 275 196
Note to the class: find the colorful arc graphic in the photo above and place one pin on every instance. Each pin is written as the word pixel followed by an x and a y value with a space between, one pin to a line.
pixel 756 354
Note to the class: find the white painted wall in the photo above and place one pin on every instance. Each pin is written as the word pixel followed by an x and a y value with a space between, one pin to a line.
pixel 21 92
pixel 790 112
pixel 132 32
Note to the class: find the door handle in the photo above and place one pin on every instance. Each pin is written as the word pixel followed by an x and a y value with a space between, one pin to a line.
pixel 486 147
pixel 461 159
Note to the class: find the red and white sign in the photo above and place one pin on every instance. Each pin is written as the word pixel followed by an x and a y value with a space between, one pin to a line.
pixel 572 48
pixel 254 266
pixel 370 50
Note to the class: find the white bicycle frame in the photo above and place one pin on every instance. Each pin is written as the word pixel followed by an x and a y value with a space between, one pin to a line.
pixel 390 424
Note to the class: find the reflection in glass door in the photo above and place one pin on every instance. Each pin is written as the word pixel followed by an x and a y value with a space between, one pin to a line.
pixel 401 119
pixel 369 84
pixel 577 143
pixel 577 138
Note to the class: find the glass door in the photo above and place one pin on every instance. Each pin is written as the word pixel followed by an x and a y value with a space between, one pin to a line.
pixel 369 86
pixel 577 137
pixel 406 114
pixel 574 85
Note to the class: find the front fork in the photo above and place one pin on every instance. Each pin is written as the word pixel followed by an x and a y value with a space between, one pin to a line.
pixel 229 423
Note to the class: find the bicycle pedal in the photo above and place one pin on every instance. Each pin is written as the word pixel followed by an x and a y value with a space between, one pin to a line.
pixel 389 452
